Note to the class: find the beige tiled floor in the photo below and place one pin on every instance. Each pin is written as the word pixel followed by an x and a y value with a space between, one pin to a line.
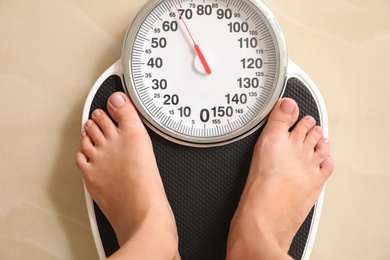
pixel 51 52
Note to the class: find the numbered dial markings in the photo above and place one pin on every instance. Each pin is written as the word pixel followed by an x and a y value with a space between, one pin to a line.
pixel 204 71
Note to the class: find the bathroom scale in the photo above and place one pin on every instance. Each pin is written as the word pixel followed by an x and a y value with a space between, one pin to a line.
pixel 204 75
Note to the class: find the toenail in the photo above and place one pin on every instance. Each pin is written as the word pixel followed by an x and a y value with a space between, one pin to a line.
pixel 117 100
pixel 287 107
pixel 319 130
pixel 83 134
pixel 88 124
pixel 310 120
pixel 97 113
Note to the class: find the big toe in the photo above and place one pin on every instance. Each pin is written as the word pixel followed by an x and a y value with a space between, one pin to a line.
pixel 123 111
pixel 283 116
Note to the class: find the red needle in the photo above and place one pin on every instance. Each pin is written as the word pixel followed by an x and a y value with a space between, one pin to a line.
pixel 196 46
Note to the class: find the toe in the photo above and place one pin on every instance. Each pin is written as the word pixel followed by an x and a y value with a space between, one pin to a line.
pixel 123 111
pixel 104 122
pixel 313 137
pixel 283 117
pixel 302 129
pixel 94 132
pixel 327 167
pixel 81 160
pixel 322 150
pixel 86 146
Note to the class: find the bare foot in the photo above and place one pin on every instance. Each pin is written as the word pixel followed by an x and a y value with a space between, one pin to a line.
pixel 121 175
pixel 287 174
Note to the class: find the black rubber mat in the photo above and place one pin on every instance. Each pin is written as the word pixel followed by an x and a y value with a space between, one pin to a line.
pixel 204 185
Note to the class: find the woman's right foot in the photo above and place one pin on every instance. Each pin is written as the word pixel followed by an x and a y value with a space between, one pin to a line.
pixel 121 175
pixel 287 174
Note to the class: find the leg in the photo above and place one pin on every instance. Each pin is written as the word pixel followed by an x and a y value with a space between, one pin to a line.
pixel 121 175
pixel 287 174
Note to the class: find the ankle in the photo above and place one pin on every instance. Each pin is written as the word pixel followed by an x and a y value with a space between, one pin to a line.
pixel 149 239
pixel 256 236
pixel 273 220
pixel 144 246
pixel 264 248
pixel 151 221
pixel 256 247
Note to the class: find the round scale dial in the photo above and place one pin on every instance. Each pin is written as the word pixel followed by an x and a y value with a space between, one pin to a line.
pixel 204 72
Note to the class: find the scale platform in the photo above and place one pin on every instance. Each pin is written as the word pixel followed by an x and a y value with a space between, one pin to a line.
pixel 204 185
